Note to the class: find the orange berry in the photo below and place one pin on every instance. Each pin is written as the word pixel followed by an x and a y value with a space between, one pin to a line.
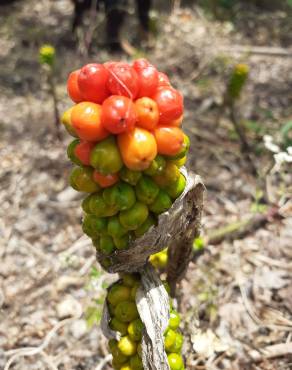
pixel 85 118
pixel 147 113
pixel 105 180
pixel 138 148
pixel 177 122
pixel 169 139
pixel 73 88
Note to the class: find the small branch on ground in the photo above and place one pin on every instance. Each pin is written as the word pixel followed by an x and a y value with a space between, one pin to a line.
pixel 273 351
pixel 240 229
pixel 32 351
pixel 103 362
pixel 257 50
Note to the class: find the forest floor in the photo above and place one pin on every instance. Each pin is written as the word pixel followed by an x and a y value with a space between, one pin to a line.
pixel 236 299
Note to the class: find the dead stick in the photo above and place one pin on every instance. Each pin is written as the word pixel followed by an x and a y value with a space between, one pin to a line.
pixel 240 229
pixel 273 351
pixel 257 50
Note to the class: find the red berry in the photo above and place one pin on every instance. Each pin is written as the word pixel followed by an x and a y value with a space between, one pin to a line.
pixel 105 180
pixel 110 64
pixel 140 64
pixel 163 80
pixel 148 77
pixel 92 83
pixel 170 104
pixel 118 114
pixel 73 88
pixel 123 80
pixel 82 152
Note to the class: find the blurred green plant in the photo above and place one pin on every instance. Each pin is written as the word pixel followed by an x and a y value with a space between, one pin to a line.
pixel 208 298
pixel 286 133
pixel 198 244
pixel 234 87
pixel 93 313
pixel 256 127
pixel 95 273
pixel 47 59
pixel 237 81
pixel 154 18
pixel 97 284
pixel 47 55
pixel 257 206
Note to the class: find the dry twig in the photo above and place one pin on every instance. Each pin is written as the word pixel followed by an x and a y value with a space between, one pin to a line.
pixel 273 351
pixel 31 351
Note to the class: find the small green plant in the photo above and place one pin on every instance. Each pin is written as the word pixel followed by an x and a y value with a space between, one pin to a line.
pixel 286 133
pixel 47 59
pixel 233 91
pixel 257 206
pixel 47 55
pixel 97 284
pixel 237 81
pixel 93 313
pixel 198 244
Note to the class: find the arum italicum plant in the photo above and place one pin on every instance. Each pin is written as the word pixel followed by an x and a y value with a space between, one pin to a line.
pixel 237 80
pixel 47 55
pixel 47 58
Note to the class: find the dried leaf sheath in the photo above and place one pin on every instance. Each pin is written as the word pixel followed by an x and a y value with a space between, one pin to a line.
pixel 182 220
pixel 153 307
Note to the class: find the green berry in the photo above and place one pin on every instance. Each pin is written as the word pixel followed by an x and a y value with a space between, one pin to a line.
pixel 127 346
pixel 174 320
pixel 106 244
pixel 175 361
pixel 135 330
pixel 126 311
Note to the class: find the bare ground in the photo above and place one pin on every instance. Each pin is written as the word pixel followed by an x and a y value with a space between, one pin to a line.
pixel 236 298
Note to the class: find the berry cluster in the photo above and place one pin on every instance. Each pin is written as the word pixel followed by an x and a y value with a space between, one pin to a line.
pixel 128 148
pixel 127 351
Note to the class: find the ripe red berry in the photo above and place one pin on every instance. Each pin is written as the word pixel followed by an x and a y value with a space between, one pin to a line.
pixel 92 82
pixel 109 64
pixel 148 77
pixel 170 104
pixel 82 152
pixel 123 80
pixel 163 80
pixel 118 114
pixel 140 63
pixel 73 88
